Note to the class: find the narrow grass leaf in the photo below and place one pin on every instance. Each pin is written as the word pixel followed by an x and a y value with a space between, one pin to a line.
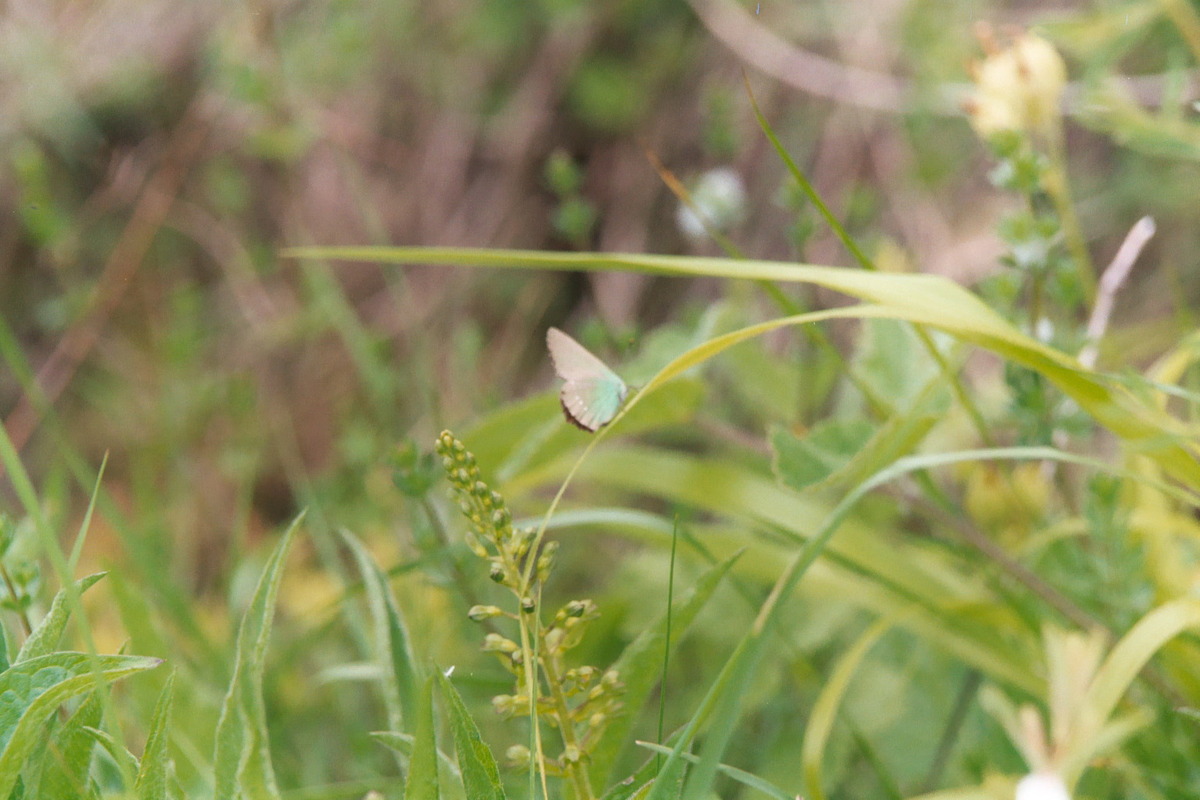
pixel 46 635
pixel 31 692
pixel 154 771
pixel 480 775
pixel 1117 672
pixel 824 711
pixel 639 666
pixel 422 783
pixel 391 637
pixel 242 759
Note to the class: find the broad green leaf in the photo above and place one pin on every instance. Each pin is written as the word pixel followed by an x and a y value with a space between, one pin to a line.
pixel 45 636
pixel 480 775
pixel 929 300
pixel 801 461
pixel 640 668
pixel 391 638
pixel 154 771
pixel 824 711
pixel 422 783
pixel 891 361
pixel 32 691
pixel 67 762
pixel 242 758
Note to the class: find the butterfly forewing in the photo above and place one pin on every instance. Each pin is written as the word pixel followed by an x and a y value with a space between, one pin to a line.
pixel 592 393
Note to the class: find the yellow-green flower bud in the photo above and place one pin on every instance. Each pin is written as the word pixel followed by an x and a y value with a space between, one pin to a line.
pixel 495 643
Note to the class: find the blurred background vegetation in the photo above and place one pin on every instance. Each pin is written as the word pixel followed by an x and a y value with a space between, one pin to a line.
pixel 158 155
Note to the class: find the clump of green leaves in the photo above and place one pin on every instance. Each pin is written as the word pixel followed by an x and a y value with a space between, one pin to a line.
pixel 578 701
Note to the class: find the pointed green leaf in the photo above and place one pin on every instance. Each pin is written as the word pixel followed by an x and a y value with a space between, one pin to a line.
pixel 32 691
pixel 154 772
pixel 45 636
pixel 391 637
pixel 422 783
pixel 480 775
pixel 242 758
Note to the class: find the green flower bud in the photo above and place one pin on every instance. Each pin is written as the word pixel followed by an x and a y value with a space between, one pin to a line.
pixel 480 613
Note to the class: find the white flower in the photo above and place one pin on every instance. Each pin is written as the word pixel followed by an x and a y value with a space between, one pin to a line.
pixel 720 202
pixel 1042 786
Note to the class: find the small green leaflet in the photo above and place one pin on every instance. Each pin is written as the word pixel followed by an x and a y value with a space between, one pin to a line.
pixel 592 393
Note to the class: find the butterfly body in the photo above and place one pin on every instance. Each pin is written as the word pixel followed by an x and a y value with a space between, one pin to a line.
pixel 592 393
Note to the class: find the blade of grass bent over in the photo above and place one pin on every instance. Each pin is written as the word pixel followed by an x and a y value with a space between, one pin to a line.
pixel 926 299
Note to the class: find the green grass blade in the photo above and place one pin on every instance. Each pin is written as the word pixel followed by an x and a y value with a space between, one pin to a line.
pixel 31 692
pixel 46 635
pixel 422 783
pixel 1119 669
pixel 391 637
pixel 480 775
pixel 739 775
pixel 640 664
pixel 154 771
pixel 241 759
pixel 824 711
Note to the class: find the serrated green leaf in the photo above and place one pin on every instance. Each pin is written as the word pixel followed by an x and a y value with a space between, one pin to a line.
pixel 32 691
pixel 45 636
pixel 640 668
pixel 422 783
pixel 480 775
pixel 154 771
pixel 242 758
pixel 391 638
pixel 802 461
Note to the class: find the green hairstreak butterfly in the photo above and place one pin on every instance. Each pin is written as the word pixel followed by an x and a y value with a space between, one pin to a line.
pixel 592 393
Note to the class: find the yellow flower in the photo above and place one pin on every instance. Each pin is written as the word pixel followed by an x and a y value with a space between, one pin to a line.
pixel 1018 88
